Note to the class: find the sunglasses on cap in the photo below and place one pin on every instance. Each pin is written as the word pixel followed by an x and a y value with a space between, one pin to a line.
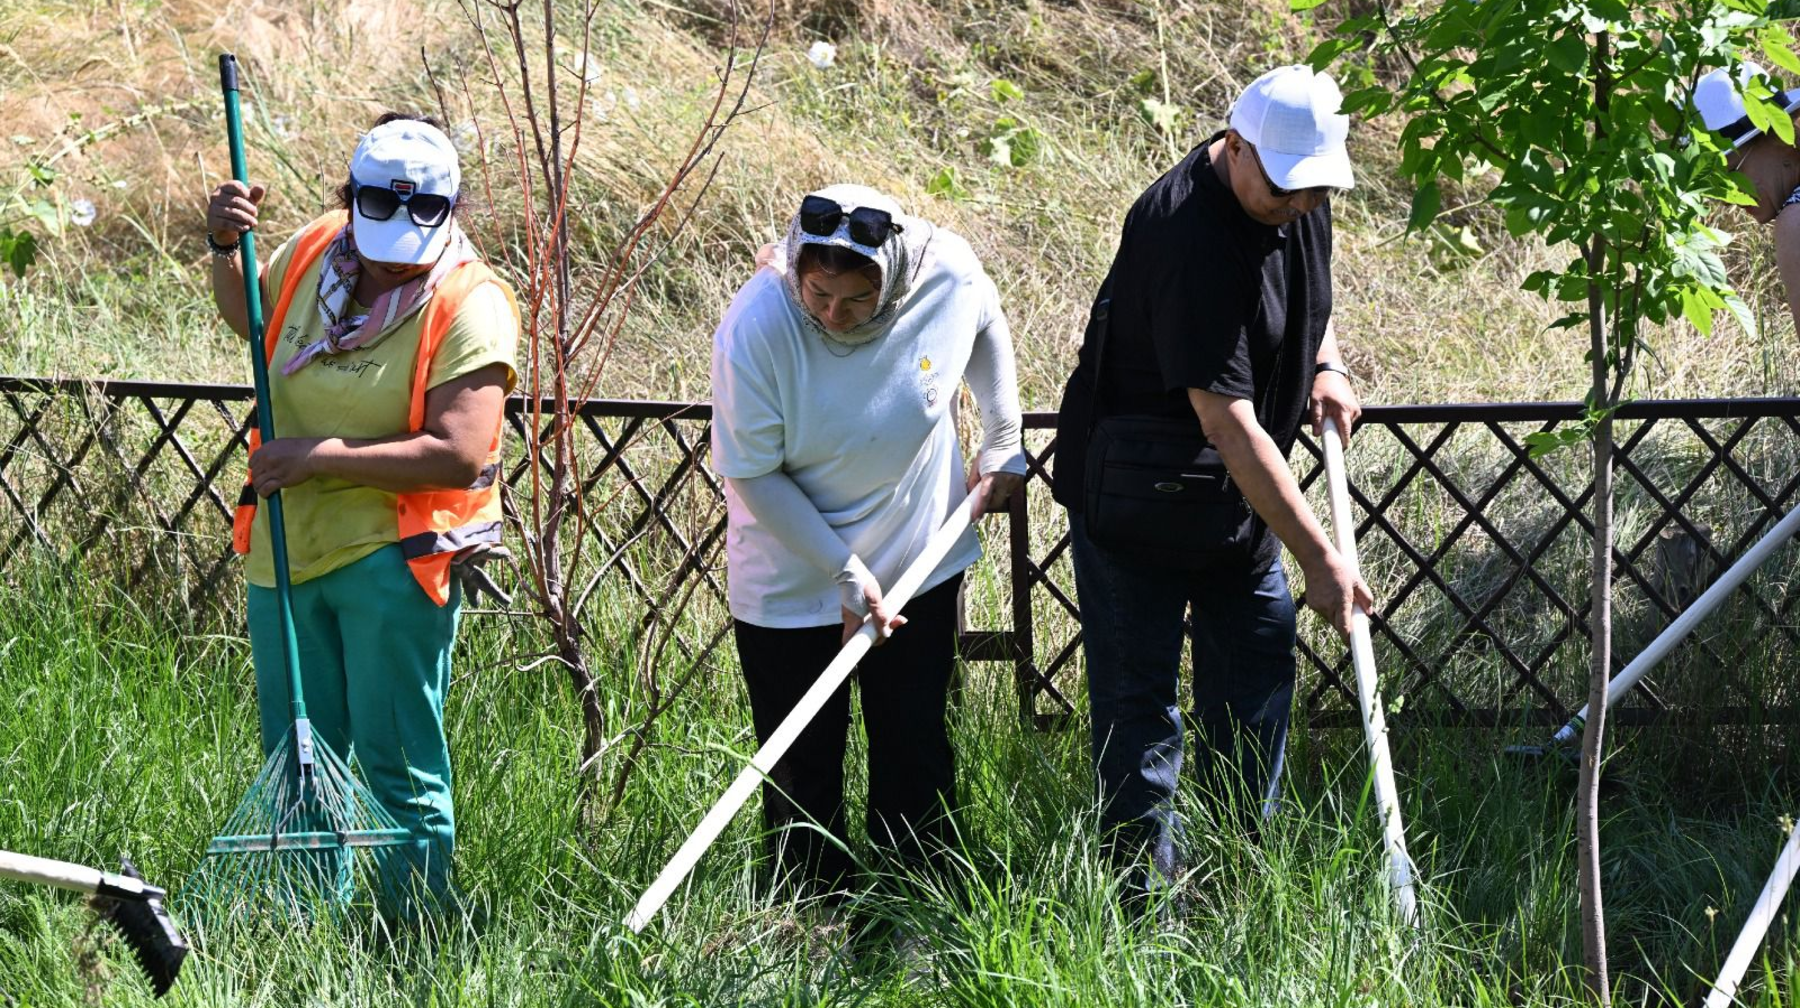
pixel 378 203
pixel 868 226
pixel 1323 192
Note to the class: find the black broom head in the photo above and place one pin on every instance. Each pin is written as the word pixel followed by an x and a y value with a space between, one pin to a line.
pixel 146 926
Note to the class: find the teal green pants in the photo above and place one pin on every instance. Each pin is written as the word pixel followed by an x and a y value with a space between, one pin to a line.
pixel 374 668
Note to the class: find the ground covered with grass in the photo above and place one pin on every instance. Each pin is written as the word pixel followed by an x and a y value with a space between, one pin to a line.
pixel 127 735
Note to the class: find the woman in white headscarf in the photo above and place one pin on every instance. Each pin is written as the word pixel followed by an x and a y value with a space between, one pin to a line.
pixel 833 375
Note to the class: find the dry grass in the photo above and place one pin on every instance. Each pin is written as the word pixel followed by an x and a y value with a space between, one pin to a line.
pixel 907 98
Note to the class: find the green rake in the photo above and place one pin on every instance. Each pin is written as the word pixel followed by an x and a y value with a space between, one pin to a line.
pixel 293 838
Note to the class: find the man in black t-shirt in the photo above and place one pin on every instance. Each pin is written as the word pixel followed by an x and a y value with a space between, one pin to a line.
pixel 1217 310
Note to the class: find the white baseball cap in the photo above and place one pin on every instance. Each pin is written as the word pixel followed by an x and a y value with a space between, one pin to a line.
pixel 409 157
pixel 1720 102
pixel 1290 115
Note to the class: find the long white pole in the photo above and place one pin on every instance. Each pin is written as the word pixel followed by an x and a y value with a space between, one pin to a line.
pixel 1685 623
pixel 1761 916
pixel 1362 656
pixel 74 877
pixel 897 595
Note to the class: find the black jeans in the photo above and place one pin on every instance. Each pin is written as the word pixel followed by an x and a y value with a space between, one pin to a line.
pixel 912 775
pixel 1243 656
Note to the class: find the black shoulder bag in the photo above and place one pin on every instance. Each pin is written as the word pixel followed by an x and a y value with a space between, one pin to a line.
pixel 1156 490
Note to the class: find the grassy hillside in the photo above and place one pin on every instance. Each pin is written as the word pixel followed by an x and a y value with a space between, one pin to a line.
pixel 121 108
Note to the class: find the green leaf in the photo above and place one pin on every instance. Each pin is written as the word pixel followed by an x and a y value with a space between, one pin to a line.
pixel 1542 443
pixel 18 249
pixel 1739 192
pixel 1568 53
pixel 1767 116
pixel 1164 116
pixel 1777 45
pixel 1005 90
pixel 1027 144
pixel 41 174
pixel 1368 102
pixel 45 213
pixel 1298 6
pixel 1425 206
pixel 1696 310
pixel 946 184
pixel 1741 313
pixel 1326 53
pixel 1143 82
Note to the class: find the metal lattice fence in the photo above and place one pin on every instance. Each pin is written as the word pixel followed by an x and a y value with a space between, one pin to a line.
pixel 1476 551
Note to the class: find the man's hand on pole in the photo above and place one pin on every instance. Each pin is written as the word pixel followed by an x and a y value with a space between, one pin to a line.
pixel 1333 399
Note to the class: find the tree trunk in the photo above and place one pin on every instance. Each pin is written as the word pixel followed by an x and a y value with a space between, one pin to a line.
pixel 593 715
pixel 1593 734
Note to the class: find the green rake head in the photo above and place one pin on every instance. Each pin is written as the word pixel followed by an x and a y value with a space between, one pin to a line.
pixel 293 840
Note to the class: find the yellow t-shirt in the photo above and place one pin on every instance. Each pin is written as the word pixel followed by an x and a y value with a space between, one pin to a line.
pixel 359 394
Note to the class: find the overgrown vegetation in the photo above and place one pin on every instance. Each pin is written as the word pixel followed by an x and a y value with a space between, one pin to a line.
pixel 128 735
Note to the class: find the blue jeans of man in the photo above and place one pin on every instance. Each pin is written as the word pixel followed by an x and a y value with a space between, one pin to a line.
pixel 1243 635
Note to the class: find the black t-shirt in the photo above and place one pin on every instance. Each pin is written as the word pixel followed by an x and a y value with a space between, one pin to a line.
pixel 1202 296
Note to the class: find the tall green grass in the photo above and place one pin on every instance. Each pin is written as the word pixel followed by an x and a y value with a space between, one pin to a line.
pixel 126 733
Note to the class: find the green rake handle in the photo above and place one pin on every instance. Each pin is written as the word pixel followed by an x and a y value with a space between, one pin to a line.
pixel 265 414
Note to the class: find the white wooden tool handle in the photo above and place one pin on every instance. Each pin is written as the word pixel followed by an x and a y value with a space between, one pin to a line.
pixel 1690 618
pixel 61 874
pixel 1362 656
pixel 901 592
pixel 1761 916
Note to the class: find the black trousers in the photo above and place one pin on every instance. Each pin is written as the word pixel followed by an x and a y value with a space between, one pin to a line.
pixel 912 775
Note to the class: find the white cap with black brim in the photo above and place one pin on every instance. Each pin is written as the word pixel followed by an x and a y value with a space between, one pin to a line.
pixel 1720 101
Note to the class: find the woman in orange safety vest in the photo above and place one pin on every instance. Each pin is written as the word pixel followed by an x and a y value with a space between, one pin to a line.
pixel 391 352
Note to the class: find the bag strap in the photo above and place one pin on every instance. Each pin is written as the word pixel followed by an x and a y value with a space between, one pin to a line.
pixel 1102 303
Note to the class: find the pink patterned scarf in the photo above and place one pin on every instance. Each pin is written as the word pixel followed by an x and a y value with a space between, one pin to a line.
pixel 337 281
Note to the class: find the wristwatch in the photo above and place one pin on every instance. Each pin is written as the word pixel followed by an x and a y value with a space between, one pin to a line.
pixel 1331 365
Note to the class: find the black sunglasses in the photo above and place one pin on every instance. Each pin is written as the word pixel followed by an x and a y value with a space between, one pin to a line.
pixel 1276 191
pixel 379 203
pixel 868 226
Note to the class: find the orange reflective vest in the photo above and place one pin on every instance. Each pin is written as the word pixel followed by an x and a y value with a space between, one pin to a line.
pixel 434 525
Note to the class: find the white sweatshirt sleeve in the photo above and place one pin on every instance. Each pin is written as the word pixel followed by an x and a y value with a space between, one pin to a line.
pixel 993 378
pixel 779 505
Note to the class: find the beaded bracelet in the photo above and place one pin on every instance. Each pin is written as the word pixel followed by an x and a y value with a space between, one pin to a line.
pixel 222 251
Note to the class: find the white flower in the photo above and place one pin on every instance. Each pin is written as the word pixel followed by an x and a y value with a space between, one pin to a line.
pixel 822 54
pixel 120 184
pixel 82 212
